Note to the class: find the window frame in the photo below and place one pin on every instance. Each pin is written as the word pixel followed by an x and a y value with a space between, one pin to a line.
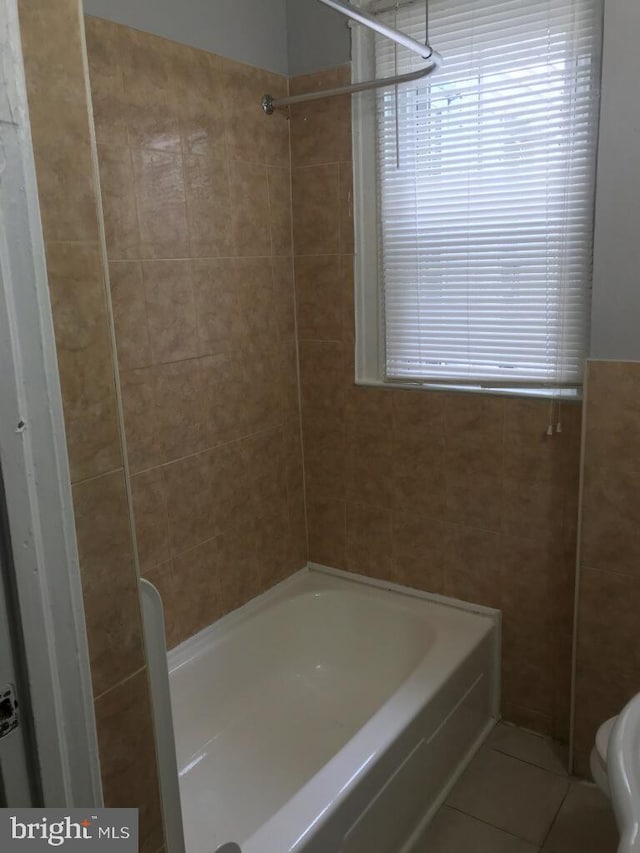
pixel 370 331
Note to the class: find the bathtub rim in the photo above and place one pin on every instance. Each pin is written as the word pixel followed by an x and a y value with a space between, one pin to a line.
pixel 195 645
pixel 276 835
pixel 192 648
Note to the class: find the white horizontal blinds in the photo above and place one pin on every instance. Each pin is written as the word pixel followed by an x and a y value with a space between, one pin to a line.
pixel 485 185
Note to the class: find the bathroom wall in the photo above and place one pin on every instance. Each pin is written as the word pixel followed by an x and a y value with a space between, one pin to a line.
pixel 616 296
pixel 53 44
pixel 317 37
pixel 608 628
pixel 253 31
pixel 196 197
pixel 453 493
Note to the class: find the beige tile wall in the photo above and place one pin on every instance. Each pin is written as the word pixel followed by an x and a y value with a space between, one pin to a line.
pixel 197 203
pixel 450 492
pixel 608 645
pixel 53 44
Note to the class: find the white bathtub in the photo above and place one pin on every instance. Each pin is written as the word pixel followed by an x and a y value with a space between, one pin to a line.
pixel 331 714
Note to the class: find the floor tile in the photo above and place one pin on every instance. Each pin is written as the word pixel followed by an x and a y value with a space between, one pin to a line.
pixel 529 747
pixel 585 823
pixel 509 794
pixel 453 832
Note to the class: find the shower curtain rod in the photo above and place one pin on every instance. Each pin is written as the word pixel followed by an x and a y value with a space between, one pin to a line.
pixel 373 23
pixel 269 103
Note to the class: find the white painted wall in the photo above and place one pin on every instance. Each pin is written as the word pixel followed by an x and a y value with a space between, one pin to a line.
pixel 615 330
pixel 318 37
pixel 252 31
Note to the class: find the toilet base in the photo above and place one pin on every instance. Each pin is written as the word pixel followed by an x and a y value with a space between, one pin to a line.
pixel 598 760
pixel 599 773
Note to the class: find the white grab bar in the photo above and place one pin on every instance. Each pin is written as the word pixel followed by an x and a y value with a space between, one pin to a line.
pixel 156 649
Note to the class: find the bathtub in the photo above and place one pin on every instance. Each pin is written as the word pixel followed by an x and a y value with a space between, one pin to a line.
pixel 331 714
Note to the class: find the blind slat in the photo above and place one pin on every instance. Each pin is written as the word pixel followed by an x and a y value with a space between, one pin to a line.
pixel 485 175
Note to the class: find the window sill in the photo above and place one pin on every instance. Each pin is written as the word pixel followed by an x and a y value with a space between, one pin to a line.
pixel 569 395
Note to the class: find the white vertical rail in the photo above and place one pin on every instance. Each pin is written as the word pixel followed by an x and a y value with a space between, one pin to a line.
pixel 36 468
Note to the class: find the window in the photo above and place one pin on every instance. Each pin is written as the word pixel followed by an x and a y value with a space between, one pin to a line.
pixel 475 194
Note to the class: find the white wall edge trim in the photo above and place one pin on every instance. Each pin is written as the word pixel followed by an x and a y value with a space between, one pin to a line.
pixel 36 468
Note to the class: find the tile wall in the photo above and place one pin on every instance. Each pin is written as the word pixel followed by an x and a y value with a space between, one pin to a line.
pixel 459 494
pixel 453 493
pixel 53 44
pixel 197 204
pixel 608 642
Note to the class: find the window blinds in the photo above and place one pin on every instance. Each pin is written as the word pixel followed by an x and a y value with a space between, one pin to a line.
pixel 485 177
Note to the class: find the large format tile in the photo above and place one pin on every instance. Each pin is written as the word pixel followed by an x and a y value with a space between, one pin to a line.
pixel 208 205
pixel 197 576
pixel 279 181
pixel 122 233
pixel 130 314
pixel 369 540
pixel 127 753
pixel 249 211
pixel 109 583
pixel 601 692
pixel 609 606
pixel 320 298
pixel 529 747
pixel 611 514
pixel 84 358
pixel 171 310
pixel 509 794
pixel 220 305
pixel 106 43
pixel 316 199
pixel 454 832
pixel 473 566
pixel 321 131
pixel 161 203
pixel 613 422
pixel 585 823
pixel 151 518
pixel 325 449
pixel 327 531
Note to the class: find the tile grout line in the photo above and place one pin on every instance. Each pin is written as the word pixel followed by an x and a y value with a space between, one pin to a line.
pixel 520 837
pixel 492 825
pixel 555 818
pixel 563 775
pixel 120 683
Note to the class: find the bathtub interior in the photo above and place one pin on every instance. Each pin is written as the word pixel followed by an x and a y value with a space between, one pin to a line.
pixel 262 702
pixel 320 644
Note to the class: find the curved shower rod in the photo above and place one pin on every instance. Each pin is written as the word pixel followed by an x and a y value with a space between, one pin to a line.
pixel 269 103
pixel 373 23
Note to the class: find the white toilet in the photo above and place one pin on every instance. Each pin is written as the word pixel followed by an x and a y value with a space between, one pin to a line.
pixel 598 760
pixel 615 765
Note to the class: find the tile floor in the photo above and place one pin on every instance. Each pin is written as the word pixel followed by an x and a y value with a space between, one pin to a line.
pixel 516 797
